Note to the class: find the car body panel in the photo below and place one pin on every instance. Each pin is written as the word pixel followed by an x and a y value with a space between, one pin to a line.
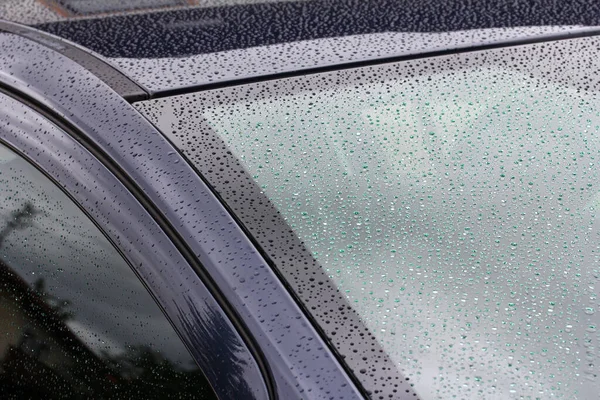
pixel 193 48
pixel 84 57
pixel 193 311
pixel 224 41
pixel 164 76
pixel 300 364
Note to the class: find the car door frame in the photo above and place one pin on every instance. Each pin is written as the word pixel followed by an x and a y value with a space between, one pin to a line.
pixel 293 359
pixel 136 236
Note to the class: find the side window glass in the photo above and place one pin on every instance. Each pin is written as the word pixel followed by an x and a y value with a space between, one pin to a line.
pixel 75 321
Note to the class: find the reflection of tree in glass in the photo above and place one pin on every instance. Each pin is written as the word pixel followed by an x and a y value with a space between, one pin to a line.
pixel 216 345
pixel 19 219
pixel 44 358
pixel 65 367
pixel 57 305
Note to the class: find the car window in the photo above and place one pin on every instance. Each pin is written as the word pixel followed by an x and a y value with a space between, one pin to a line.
pixel 75 320
pixel 451 203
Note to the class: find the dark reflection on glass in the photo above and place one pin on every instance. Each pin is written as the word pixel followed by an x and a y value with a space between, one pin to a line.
pixel 75 321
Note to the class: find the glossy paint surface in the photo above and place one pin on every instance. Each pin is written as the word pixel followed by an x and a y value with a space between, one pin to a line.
pixel 299 360
pixel 218 41
pixel 206 331
pixel 92 62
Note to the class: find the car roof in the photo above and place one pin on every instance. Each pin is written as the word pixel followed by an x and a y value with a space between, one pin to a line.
pixel 167 45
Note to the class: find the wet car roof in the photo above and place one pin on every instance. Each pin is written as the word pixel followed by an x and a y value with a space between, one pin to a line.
pixel 167 45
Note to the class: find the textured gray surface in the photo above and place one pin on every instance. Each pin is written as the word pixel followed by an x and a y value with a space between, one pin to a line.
pixel 158 74
pixel 28 12
pixel 202 45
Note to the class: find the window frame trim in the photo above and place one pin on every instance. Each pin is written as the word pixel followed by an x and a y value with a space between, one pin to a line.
pixel 106 123
pixel 30 147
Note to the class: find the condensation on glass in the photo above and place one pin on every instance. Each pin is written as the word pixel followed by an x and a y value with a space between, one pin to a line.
pixel 75 321
pixel 449 205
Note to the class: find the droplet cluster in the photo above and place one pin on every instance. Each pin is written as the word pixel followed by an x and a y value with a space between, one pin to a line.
pixel 224 40
pixel 437 217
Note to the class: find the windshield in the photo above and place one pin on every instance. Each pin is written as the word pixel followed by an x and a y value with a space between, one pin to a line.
pixel 449 206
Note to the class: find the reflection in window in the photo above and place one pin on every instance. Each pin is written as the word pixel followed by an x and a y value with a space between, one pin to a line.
pixel 452 203
pixel 75 321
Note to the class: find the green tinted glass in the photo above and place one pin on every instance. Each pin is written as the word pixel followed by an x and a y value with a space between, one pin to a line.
pixel 453 202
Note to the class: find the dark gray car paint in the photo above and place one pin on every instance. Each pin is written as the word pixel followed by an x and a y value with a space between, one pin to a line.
pixel 300 361
pixel 107 73
pixel 230 368
pixel 203 30
pixel 203 45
